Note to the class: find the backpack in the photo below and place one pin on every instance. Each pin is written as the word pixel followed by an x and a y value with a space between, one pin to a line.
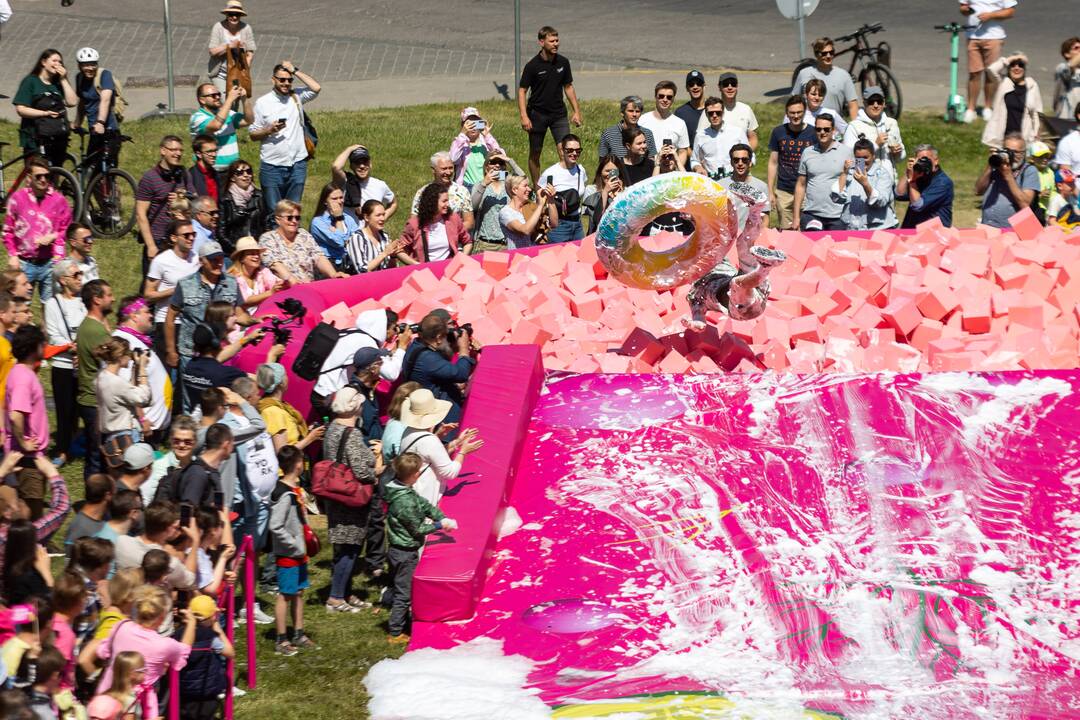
pixel 203 678
pixel 317 347
pixel 50 127
pixel 119 103
pixel 334 479
pixel 168 488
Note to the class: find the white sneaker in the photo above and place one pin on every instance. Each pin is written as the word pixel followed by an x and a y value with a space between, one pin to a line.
pixel 970 115
pixel 987 113
pixel 261 618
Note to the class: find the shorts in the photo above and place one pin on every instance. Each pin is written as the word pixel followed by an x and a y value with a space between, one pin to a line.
pixel 291 580
pixel 981 53
pixel 558 124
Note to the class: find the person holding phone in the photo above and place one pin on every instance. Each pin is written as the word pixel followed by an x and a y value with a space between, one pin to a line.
pixel 521 231
pixel 664 123
pixel 568 178
pixel 865 186
pixel 471 147
pixel 489 197
pixel 121 401
pixel 608 183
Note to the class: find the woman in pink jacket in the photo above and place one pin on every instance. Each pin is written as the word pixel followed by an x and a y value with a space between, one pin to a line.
pixel 471 148
pixel 434 233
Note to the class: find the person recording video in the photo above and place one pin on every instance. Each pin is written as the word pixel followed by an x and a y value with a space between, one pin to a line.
pixel 427 363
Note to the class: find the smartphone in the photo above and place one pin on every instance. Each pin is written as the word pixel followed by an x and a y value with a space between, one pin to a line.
pixel 185 515
pixel 480 125
pixel 282 120
pixel 502 175
pixel 183 599
pixel 860 164
pixel 668 141
pixel 236 83
pixel 550 180
pixel 219 499
pixel 613 174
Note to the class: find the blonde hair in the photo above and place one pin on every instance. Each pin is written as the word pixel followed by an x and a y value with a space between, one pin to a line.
pixel 180 208
pixel 513 181
pixel 149 603
pixel 124 664
pixel 122 587
pixel 400 395
pixel 113 351
pixel 286 204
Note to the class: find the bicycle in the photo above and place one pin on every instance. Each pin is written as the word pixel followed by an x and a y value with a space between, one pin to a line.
pixel 61 179
pixel 108 193
pixel 869 66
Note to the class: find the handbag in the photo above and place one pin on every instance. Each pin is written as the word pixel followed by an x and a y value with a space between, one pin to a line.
pixel 237 70
pixel 113 450
pixel 312 544
pixel 334 479
pixel 311 135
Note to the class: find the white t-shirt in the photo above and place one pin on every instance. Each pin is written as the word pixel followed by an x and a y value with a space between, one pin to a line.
pixel 62 318
pixel 438 245
pixel 284 148
pixel 670 128
pixel 1068 151
pixel 740 116
pixel 168 268
pixel 514 239
pixel 566 179
pixel 992 29
pixel 158 412
pixel 372 189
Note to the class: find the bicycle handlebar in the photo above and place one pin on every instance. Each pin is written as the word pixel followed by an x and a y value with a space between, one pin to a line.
pixel 864 30
pixel 951 27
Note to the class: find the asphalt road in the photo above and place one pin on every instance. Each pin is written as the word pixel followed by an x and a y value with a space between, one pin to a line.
pixel 353 40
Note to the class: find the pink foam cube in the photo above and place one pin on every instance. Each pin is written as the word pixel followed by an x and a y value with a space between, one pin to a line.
pixel 903 315
pixel 1026 225
pixel 938 302
pixel 976 315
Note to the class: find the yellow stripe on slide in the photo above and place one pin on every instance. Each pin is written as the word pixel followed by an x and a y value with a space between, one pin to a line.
pixel 679 707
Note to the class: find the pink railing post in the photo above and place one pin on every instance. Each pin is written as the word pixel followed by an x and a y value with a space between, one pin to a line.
pixel 248 550
pixel 174 694
pixel 230 633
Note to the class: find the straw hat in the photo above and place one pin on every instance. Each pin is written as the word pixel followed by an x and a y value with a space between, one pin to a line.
pixel 421 410
pixel 233 6
pixel 246 244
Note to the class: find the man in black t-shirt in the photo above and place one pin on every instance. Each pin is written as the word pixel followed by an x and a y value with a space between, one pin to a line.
pixel 786 145
pixel 545 78
pixel 205 370
pixel 692 110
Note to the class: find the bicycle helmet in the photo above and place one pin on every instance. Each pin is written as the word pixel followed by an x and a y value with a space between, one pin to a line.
pixel 87 55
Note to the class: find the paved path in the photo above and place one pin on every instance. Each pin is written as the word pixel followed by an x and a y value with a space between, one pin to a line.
pixel 390 52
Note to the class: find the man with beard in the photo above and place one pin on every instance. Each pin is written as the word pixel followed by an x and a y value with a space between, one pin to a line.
pixel 93 332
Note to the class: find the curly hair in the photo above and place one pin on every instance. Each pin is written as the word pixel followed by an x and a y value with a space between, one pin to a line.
pixel 427 210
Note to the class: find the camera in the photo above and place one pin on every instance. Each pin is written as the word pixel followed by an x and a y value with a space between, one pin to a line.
pixel 924 166
pixel 999 158
pixel 294 312
pixel 401 327
pixel 454 331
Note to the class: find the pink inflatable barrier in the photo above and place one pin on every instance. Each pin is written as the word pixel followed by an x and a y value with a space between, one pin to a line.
pixel 453 567
pixel 792 546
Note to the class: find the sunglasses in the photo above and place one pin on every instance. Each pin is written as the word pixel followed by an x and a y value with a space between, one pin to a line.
pixel 215 94
pixel 233 15
pixel 40 176
pixel 695 83
pixel 714 113
pixel 571 150
pixel 876 100
pixel 211 213
pixel 243 171
pixel 77 273
pixel 187 235
pixel 827 53
pixel 85 238
pixel 823 131
pixel 740 160
pixel 1018 63
pixel 729 83
pixel 665 97
pixel 283 79
pixel 290 218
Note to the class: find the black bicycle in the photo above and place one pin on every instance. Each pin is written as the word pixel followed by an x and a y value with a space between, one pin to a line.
pixel 108 193
pixel 61 179
pixel 869 66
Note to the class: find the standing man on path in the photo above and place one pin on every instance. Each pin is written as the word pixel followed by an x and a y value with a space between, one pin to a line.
pixel 545 78
pixel 986 36
pixel 839 88
pixel 279 126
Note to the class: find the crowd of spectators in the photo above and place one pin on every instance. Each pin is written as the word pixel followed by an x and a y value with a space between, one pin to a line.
pixel 186 457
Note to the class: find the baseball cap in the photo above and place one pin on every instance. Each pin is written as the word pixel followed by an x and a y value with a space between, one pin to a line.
pixel 872 91
pixel 695 77
pixel 1038 149
pixel 360 153
pixel 138 456
pixel 365 356
pixel 469 112
pixel 202 607
pixel 211 248
pixel 727 76
pixel 1064 175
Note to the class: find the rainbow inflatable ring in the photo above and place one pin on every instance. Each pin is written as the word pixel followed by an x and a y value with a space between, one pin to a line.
pixel 715 213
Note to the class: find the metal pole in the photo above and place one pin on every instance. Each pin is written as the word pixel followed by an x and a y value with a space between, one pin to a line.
pixel 517 47
pixel 168 57
pixel 802 31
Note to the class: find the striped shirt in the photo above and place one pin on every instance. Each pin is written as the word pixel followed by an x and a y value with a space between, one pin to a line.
pixel 154 188
pixel 228 147
pixel 361 250
pixel 611 142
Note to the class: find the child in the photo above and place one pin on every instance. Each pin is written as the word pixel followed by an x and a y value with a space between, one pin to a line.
pixel 121 587
pixel 124 698
pixel 68 599
pixel 203 678
pixel 410 518
pixel 50 667
pixel 215 541
pixel 287 521
pixel 91 559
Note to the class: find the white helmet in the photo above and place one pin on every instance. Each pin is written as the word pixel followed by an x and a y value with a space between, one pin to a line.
pixel 87 55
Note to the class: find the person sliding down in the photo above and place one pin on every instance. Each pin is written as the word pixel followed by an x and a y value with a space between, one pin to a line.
pixel 742 292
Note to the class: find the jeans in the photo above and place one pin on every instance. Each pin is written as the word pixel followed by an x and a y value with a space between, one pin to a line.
pixel 402 567
pixel 256 523
pixel 178 387
pixel 39 275
pixel 94 463
pixel 65 389
pixel 566 231
pixel 341 578
pixel 281 182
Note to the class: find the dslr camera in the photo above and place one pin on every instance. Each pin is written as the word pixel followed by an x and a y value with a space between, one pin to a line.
pixel 280 327
pixel 924 166
pixel 401 327
pixel 454 331
pixel 999 158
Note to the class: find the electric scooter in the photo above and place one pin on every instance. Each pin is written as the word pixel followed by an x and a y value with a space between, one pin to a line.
pixel 956 105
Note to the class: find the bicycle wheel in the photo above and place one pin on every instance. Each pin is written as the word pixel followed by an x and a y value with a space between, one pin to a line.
pixel 110 203
pixel 881 76
pixel 68 186
pixel 805 63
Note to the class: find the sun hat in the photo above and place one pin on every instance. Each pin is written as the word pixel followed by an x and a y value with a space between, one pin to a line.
pixel 246 244
pixel 469 112
pixel 233 6
pixel 421 410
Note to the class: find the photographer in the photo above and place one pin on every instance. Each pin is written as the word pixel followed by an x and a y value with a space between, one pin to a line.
pixel 372 328
pixel 1009 182
pixel 205 370
pixel 426 363
pixel 926 188
pixel 121 402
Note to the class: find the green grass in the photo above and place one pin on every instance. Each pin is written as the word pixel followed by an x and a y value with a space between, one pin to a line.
pixel 327 682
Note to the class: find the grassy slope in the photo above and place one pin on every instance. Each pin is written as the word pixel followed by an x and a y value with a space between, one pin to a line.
pixel 401 140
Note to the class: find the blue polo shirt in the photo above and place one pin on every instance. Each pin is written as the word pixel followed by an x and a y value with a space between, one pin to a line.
pixel 936 201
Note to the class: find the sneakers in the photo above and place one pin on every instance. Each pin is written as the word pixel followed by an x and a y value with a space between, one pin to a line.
pixel 401 639
pixel 970 115
pixel 236 693
pixel 285 648
pixel 987 113
pixel 358 603
pixel 303 642
pixel 341 606
pixel 768 257
pixel 261 618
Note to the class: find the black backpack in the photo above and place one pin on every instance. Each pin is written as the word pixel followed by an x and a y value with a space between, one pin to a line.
pixel 203 678
pixel 168 488
pixel 317 347
pixel 50 127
